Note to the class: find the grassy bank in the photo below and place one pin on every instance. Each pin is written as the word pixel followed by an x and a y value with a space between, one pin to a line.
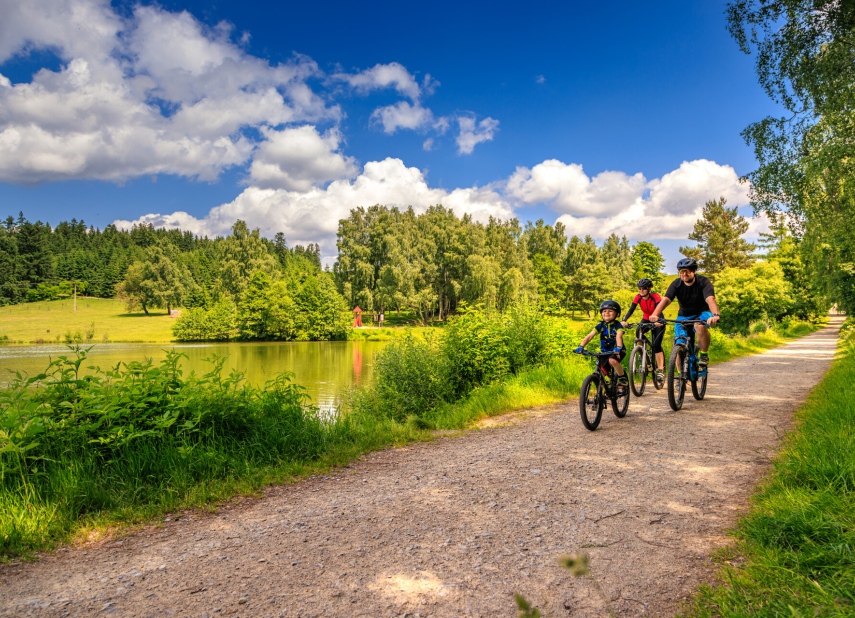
pixel 81 454
pixel 796 546
pixel 104 319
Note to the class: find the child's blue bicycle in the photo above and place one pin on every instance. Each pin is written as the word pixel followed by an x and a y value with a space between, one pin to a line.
pixel 683 365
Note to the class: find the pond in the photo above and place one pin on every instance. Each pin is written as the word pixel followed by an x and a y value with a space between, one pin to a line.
pixel 326 368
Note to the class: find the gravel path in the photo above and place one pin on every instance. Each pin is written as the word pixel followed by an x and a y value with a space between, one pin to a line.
pixel 455 527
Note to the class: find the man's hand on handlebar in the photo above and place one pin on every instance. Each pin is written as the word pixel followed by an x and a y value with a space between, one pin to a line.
pixel 579 350
pixel 713 320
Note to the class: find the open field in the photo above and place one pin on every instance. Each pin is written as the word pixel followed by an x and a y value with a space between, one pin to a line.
pixel 106 319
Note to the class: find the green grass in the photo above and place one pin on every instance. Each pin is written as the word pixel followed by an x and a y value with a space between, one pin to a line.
pixel 795 550
pixel 48 322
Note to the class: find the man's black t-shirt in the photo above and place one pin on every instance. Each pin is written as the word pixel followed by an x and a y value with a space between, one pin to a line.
pixel 692 298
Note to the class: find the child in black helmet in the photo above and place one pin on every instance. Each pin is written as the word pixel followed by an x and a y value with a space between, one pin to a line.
pixel 610 331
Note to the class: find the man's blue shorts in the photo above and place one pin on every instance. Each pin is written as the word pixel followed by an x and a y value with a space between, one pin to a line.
pixel 679 331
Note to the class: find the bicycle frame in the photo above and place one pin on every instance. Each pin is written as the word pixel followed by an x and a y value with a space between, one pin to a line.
pixel 681 336
pixel 644 341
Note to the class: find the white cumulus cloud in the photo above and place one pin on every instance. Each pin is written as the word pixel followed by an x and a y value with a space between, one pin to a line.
pixel 392 75
pixel 313 215
pixel 156 92
pixel 610 202
pixel 472 133
pixel 402 115
pixel 298 158
pixel 567 189
pixel 670 209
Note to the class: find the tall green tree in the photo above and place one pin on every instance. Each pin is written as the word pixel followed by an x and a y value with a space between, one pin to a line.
pixel 805 61
pixel 157 281
pixel 240 255
pixel 647 262
pixel 719 237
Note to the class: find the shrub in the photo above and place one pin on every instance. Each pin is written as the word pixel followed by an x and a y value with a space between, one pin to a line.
pixel 410 379
pixel 137 435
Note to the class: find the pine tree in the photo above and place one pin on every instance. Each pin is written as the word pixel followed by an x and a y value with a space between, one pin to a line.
pixel 719 237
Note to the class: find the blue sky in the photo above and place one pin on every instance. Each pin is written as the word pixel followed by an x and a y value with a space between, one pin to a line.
pixel 622 117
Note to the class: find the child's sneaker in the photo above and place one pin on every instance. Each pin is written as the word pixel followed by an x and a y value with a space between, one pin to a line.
pixel 660 375
pixel 703 359
pixel 623 384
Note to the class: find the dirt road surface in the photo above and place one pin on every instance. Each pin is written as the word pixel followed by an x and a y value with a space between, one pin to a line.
pixel 455 527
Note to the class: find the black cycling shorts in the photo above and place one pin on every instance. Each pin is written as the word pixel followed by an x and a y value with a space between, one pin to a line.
pixel 619 353
pixel 657 334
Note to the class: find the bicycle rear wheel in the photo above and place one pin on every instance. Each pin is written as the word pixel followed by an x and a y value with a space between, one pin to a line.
pixel 637 371
pixel 677 377
pixel 591 402
pixel 699 387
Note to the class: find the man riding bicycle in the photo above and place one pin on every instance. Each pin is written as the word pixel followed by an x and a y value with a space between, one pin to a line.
pixel 648 301
pixel 696 297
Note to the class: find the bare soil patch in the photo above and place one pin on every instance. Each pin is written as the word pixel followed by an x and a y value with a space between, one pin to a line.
pixel 455 527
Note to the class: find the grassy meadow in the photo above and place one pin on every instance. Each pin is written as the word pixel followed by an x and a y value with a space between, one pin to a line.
pixel 105 319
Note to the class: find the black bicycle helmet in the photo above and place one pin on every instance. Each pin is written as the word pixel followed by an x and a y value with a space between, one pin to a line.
pixel 610 304
pixel 687 263
pixel 645 283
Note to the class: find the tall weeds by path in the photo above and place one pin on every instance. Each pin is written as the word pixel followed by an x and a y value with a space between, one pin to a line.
pixel 797 544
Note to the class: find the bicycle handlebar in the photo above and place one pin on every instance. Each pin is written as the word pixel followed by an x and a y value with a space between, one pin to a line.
pixel 642 324
pixel 597 354
pixel 682 321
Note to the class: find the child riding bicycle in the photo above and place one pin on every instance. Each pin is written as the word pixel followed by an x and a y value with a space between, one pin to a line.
pixel 611 338
pixel 648 301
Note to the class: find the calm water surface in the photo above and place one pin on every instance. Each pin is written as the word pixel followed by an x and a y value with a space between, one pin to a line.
pixel 326 368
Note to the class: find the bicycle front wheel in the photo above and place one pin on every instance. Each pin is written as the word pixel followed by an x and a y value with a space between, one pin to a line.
pixel 677 377
pixel 637 371
pixel 591 402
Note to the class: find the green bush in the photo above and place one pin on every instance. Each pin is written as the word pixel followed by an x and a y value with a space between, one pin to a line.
pixel 752 295
pixel 137 435
pixel 483 346
pixel 309 309
pixel 478 347
pixel 410 379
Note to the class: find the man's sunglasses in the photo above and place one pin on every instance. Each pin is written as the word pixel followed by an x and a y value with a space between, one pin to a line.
pixel 685 271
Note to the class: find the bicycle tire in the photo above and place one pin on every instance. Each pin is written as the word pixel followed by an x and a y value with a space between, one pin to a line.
pixel 620 404
pixel 699 387
pixel 636 360
pixel 676 379
pixel 591 403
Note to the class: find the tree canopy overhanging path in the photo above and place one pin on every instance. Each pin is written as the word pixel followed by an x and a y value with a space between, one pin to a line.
pixel 455 527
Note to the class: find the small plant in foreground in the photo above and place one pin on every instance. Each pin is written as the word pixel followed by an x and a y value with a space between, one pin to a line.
pixel 577 564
